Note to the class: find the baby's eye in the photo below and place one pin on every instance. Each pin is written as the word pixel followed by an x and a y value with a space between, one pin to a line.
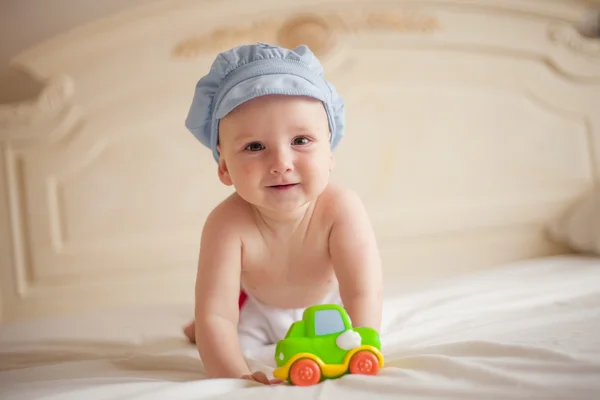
pixel 299 141
pixel 255 146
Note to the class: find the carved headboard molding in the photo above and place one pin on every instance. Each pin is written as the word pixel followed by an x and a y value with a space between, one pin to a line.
pixel 319 31
pixel 44 119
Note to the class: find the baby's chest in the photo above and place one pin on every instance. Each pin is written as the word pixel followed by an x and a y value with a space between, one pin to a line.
pixel 286 262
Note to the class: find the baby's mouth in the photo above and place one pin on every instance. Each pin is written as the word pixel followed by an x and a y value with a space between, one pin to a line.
pixel 283 187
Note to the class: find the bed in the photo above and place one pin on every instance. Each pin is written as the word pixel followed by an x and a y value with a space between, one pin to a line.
pixel 473 138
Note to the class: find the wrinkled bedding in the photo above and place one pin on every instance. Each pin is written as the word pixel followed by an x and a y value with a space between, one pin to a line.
pixel 524 330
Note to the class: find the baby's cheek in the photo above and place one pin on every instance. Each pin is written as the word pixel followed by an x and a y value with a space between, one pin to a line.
pixel 245 171
pixel 248 170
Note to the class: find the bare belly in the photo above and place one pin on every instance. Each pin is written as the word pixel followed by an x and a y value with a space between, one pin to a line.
pixel 289 293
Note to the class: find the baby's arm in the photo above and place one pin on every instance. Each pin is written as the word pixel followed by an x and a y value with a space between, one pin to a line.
pixel 356 261
pixel 217 292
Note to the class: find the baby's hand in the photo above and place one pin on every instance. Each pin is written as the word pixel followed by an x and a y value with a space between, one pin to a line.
pixel 261 377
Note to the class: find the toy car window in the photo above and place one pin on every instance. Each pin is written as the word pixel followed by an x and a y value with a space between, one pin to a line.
pixel 327 322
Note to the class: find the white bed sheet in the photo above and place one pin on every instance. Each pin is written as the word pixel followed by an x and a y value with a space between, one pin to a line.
pixel 527 330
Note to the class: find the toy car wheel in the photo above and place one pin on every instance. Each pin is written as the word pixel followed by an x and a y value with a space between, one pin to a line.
pixel 305 372
pixel 364 363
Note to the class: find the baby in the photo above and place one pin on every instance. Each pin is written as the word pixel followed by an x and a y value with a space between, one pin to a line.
pixel 287 238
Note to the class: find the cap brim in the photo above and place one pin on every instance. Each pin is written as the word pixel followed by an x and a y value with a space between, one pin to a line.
pixel 281 84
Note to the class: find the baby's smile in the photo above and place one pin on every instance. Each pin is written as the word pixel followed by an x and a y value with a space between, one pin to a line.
pixel 284 186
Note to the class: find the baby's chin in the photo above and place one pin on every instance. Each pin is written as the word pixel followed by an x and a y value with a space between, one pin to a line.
pixel 280 207
pixel 284 207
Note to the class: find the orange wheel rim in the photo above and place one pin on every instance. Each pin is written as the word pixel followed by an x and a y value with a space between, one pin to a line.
pixel 305 372
pixel 364 363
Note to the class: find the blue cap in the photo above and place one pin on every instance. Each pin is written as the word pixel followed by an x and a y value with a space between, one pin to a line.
pixel 249 71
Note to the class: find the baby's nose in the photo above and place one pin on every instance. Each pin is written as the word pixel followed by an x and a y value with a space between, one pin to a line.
pixel 281 162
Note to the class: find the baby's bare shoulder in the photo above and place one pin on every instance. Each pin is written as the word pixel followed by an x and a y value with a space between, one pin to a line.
pixel 337 200
pixel 231 215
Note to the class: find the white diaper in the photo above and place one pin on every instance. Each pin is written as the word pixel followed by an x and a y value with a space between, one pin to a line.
pixel 261 326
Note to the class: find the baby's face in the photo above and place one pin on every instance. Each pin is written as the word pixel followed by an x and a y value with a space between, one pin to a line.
pixel 275 150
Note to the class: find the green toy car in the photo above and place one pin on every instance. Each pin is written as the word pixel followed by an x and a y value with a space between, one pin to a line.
pixel 324 345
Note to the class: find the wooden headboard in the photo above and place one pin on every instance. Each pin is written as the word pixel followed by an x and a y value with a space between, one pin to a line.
pixel 471 125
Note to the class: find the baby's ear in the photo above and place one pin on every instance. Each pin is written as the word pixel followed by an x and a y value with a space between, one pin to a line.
pixel 223 173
